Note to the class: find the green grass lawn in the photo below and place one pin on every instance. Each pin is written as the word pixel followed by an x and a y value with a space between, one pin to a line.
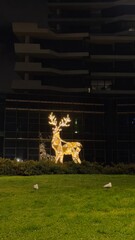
pixel 67 207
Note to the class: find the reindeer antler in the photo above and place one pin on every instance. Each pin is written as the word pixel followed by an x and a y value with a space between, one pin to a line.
pixel 53 120
pixel 65 122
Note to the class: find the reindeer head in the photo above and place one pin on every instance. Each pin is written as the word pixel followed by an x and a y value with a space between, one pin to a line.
pixel 64 122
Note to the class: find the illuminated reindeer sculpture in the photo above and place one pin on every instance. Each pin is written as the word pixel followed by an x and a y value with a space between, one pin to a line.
pixel 60 146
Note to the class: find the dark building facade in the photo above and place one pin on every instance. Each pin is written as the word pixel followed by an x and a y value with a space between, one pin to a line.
pixel 83 65
pixel 27 116
pixel 105 125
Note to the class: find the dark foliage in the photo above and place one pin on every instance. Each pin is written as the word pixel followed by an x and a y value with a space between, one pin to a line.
pixel 31 167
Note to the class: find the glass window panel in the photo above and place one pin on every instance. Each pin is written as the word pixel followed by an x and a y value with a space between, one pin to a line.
pixel 33 144
pixel 21 134
pixel 10 127
pixel 10 134
pixel 33 134
pixel 34 127
pixel 33 121
pixel 10 155
pixel 33 115
pixel 45 128
pixel 10 151
pixel 10 143
pixel 22 114
pixel 123 156
pixel 11 114
pixel 11 119
pixel 21 153
pixel 34 151
pixel 33 156
pixel 21 144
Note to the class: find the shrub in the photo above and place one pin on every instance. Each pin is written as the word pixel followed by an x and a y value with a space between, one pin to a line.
pixel 31 167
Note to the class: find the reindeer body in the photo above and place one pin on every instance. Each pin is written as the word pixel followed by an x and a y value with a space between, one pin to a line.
pixel 60 146
pixel 72 148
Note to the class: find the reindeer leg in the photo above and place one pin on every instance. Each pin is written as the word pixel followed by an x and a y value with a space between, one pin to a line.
pixel 74 159
pixel 61 156
pixel 75 155
pixel 57 156
pixel 78 160
pixel 56 159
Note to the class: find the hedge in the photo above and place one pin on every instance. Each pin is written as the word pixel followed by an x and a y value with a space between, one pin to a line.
pixel 32 167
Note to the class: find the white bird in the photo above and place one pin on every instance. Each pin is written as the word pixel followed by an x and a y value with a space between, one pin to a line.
pixel 108 185
pixel 36 186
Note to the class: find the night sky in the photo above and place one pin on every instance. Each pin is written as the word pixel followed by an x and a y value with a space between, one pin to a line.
pixel 16 11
